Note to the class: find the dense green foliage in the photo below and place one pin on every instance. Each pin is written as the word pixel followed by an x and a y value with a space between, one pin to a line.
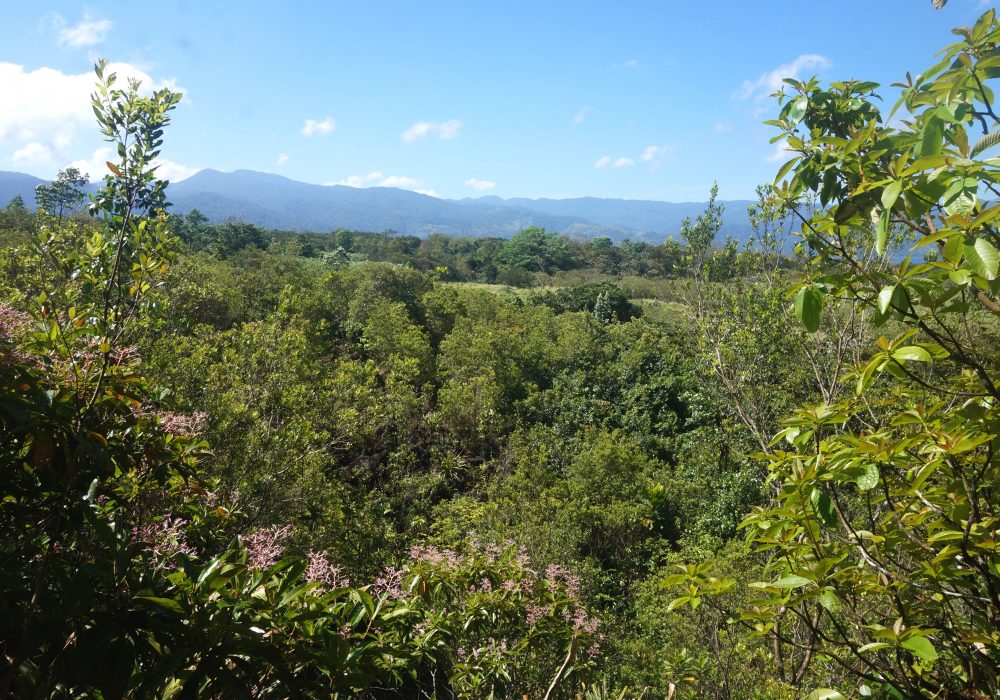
pixel 248 463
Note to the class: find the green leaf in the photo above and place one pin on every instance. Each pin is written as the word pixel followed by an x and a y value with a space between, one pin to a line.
pixel 911 352
pixel 983 258
pixel 797 109
pixel 825 694
pixel 991 139
pixel 809 307
pixel 790 582
pixel 823 506
pixel 869 479
pixel 921 647
pixel 828 599
pixel 892 297
pixel 882 231
pixel 891 193
pixel 785 168
pixel 931 137
pixel 165 603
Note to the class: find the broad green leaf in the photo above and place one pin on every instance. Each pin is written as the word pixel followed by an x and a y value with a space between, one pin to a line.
pixel 986 142
pixel 828 599
pixel 921 647
pixel 892 297
pixel 166 603
pixel 790 582
pixel 825 694
pixel 911 352
pixel 869 479
pixel 891 193
pixel 809 307
pixel 961 277
pixel 823 506
pixel 983 258
pixel 931 137
pixel 797 109
pixel 960 197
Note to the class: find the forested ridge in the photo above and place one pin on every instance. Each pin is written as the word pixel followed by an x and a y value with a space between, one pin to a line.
pixel 250 463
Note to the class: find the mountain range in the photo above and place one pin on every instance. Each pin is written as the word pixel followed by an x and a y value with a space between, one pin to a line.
pixel 277 202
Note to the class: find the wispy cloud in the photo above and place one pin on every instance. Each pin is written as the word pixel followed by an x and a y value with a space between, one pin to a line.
pixel 377 178
pixel 609 162
pixel 480 185
pixel 654 155
pixel 580 116
pixel 318 127
pixel 87 32
pixel 282 159
pixel 632 63
pixel 442 130
pixel 770 82
pixel 722 127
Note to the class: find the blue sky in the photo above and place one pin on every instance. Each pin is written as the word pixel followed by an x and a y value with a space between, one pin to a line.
pixel 639 100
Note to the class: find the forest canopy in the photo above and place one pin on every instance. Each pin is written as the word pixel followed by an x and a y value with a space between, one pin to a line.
pixel 251 463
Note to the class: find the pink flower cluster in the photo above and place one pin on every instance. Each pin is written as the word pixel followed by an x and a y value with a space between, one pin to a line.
pixel 536 613
pixel 435 557
pixel 556 574
pixel 389 583
pixel 320 569
pixel 184 426
pixel 164 538
pixel 265 546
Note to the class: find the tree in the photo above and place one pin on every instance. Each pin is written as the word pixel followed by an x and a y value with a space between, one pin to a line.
pixel 16 203
pixel 883 563
pixel 700 236
pixel 64 194
pixel 536 250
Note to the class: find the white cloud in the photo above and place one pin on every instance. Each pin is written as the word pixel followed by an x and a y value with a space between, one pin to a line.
pixel 377 179
pixel 96 167
pixel 480 185
pixel 769 83
pixel 421 130
pixel 401 181
pixel 359 180
pixel 174 172
pixel 654 155
pixel 33 153
pixel 581 115
pixel 722 127
pixel 632 63
pixel 86 32
pixel 609 162
pixel 282 159
pixel 47 107
pixel 321 127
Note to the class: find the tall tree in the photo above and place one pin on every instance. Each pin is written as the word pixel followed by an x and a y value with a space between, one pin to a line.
pixel 64 194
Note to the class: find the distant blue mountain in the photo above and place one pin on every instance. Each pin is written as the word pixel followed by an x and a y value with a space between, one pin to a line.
pixel 13 184
pixel 278 202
